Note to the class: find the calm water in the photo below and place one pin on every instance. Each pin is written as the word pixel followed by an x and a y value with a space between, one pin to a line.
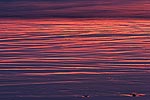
pixel 69 58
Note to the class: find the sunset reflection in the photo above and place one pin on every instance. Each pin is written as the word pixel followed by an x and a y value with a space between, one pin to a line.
pixel 73 57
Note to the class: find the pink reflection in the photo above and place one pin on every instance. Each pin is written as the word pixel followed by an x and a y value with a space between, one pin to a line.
pixel 76 42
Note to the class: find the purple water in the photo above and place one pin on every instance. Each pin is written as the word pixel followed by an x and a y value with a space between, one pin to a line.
pixel 71 59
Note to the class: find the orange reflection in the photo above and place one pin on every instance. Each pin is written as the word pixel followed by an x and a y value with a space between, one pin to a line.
pixel 75 42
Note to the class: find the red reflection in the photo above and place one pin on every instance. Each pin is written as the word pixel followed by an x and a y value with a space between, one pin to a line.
pixel 75 42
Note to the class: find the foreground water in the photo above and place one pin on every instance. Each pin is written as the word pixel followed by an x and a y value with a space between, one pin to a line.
pixel 74 59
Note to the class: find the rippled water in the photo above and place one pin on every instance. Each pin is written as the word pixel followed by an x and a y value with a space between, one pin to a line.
pixel 74 58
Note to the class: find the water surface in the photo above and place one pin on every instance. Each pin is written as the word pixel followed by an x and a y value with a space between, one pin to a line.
pixel 70 58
